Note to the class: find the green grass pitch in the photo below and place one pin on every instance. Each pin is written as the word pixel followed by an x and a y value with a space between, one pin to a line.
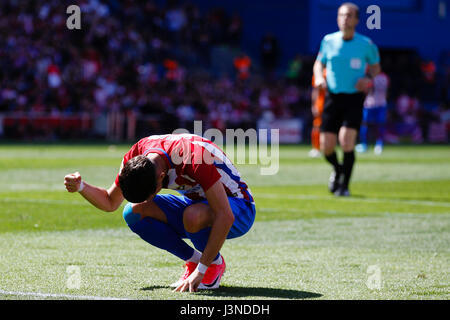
pixel 390 240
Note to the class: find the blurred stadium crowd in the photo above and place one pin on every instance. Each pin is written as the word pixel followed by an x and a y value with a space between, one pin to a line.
pixel 136 68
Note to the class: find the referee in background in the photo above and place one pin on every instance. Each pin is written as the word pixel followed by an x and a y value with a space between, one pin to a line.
pixel 346 55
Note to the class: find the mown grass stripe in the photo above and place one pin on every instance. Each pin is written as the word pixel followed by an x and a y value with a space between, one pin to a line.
pixel 337 212
pixel 262 195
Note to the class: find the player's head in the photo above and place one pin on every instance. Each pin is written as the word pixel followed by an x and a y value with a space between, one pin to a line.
pixel 348 16
pixel 139 179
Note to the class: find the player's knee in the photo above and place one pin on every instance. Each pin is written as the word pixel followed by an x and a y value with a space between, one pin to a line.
pixel 192 220
pixel 129 216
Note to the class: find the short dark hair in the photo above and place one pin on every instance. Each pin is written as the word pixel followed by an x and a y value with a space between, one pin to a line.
pixel 351 5
pixel 137 179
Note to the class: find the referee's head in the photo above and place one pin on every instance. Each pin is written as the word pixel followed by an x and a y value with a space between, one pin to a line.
pixel 348 16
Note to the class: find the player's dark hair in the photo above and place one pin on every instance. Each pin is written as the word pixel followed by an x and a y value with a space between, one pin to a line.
pixel 137 179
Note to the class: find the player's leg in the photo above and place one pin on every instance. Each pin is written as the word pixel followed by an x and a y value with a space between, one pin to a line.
pixel 380 125
pixel 198 219
pixel 151 222
pixel 160 223
pixel 364 131
pixel 315 138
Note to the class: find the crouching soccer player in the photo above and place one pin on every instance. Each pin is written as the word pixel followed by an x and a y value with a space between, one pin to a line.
pixel 215 203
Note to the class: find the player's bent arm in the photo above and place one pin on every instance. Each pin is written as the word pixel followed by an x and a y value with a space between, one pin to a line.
pixel 106 200
pixel 223 220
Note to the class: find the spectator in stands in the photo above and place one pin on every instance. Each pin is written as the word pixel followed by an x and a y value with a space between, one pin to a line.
pixel 242 63
pixel 106 68
pixel 131 59
pixel 294 69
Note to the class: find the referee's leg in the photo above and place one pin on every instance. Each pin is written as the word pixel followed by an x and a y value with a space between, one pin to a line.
pixel 328 141
pixel 347 140
pixel 331 122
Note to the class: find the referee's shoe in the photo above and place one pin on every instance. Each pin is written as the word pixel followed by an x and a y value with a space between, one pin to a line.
pixel 335 181
pixel 342 191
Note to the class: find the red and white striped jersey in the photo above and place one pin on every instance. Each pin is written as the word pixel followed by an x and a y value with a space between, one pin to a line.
pixel 377 97
pixel 195 164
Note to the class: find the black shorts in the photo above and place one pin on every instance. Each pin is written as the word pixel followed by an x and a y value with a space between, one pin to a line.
pixel 342 110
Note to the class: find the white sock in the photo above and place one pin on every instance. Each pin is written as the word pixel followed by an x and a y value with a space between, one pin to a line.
pixel 195 257
pixel 218 260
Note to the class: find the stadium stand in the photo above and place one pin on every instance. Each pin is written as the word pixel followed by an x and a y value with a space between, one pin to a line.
pixel 138 67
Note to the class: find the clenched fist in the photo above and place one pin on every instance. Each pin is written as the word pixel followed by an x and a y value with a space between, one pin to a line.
pixel 73 182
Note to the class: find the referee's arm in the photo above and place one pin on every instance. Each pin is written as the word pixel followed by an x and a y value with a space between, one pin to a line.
pixel 373 60
pixel 374 70
pixel 319 65
pixel 319 79
pixel 365 83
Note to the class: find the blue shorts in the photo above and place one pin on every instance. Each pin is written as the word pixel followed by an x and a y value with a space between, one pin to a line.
pixel 173 207
pixel 376 115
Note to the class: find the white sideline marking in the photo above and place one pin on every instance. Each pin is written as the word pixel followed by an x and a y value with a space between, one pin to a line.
pixel 54 295
pixel 379 200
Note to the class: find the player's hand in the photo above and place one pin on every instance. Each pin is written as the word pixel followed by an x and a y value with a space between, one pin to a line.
pixel 364 85
pixel 191 283
pixel 72 182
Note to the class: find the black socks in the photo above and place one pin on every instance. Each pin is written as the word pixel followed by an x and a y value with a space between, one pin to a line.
pixel 332 159
pixel 346 168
